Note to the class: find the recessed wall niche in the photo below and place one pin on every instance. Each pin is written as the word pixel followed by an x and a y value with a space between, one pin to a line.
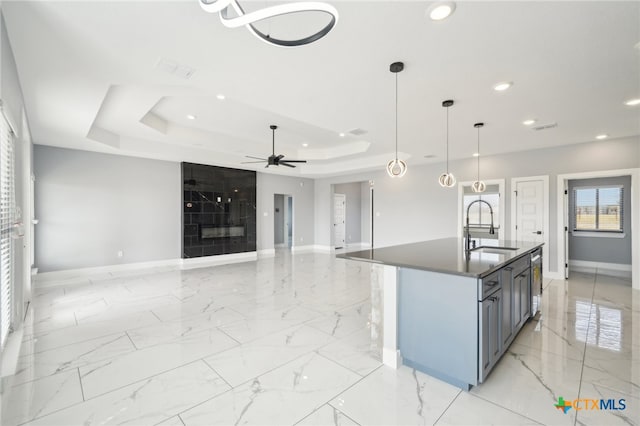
pixel 219 210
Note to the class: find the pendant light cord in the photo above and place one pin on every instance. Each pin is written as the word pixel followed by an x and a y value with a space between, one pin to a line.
pixel 396 117
pixel 478 154
pixel 447 140
pixel 273 141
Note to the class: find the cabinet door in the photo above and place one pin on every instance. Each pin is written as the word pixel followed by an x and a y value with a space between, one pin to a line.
pixel 525 295
pixel 491 343
pixel 516 305
pixel 507 305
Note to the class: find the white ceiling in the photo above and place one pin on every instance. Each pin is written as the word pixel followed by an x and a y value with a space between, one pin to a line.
pixel 90 78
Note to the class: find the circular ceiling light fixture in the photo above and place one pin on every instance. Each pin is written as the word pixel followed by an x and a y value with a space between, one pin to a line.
pixel 342 135
pixel 441 10
pixel 632 102
pixel 396 167
pixel 447 180
pixel 221 97
pixel 476 154
pixel 501 87
pixel 478 185
pixel 529 122
pixel 191 117
pixel 305 145
pixel 248 19
pixel 602 136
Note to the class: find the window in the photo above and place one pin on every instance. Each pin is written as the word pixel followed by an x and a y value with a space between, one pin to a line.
pixel 598 209
pixel 479 214
pixel 7 210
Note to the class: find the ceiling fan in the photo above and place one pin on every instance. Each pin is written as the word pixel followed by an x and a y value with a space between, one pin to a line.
pixel 274 160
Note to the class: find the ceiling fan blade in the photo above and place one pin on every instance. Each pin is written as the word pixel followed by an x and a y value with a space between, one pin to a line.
pixel 267 166
pixel 295 161
pixel 256 158
pixel 252 162
pixel 280 157
pixel 284 163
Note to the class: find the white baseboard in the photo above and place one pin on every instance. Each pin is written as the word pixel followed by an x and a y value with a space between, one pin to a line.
pixel 266 253
pixel 283 245
pixel 554 275
pixel 612 269
pixel 81 275
pixel 302 249
pixel 48 279
pixel 355 246
pixel 221 259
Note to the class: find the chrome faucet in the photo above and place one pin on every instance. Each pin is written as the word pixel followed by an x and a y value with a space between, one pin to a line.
pixel 467 237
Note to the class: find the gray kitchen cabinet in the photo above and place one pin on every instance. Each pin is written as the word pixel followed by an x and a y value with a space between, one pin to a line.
pixel 491 324
pixel 525 294
pixel 507 305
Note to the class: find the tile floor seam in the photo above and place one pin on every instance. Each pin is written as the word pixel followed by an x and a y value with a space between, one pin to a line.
pixel 73 343
pixel 506 408
pixel 143 379
pixel 584 353
pixel 131 340
pixel 80 381
pixel 345 367
pixel 214 370
pixel 447 407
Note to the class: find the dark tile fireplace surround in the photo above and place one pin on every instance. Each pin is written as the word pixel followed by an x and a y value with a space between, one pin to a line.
pixel 219 210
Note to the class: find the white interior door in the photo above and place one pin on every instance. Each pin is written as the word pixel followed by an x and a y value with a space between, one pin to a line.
pixel 339 212
pixel 530 205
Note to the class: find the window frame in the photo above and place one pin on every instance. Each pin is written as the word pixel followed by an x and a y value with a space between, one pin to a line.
pixel 613 233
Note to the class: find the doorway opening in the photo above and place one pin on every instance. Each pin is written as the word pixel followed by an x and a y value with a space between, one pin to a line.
pixel 352 222
pixel 282 221
pixel 590 205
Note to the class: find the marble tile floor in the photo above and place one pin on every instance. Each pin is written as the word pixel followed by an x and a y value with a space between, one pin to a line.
pixel 288 340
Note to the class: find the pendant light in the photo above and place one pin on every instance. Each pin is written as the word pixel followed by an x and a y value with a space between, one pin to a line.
pixel 396 167
pixel 478 185
pixel 447 180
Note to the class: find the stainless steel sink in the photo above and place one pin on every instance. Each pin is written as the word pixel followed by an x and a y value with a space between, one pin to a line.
pixel 494 249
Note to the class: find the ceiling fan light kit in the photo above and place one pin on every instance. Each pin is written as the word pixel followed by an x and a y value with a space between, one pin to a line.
pixel 273 159
pixel 248 19
pixel 396 167
pixel 447 180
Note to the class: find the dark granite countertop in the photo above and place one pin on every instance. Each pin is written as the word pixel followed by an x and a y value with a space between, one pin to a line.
pixel 446 255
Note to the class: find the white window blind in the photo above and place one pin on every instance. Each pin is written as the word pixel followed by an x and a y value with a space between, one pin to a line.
pixel 598 209
pixel 7 211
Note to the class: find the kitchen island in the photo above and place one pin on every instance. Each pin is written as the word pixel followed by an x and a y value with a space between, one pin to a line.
pixel 452 313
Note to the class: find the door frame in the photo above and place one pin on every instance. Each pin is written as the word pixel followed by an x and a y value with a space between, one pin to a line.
pixel 333 216
pixel 288 214
pixel 545 218
pixel 501 220
pixel 563 217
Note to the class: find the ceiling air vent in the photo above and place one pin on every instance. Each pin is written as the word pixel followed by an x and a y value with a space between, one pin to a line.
pixel 173 67
pixel 545 126
pixel 357 132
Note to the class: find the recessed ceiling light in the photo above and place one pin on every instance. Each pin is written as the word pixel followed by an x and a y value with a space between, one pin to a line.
pixel 341 135
pixel 191 117
pixel 632 102
pixel 602 136
pixel 441 10
pixel 476 154
pixel 220 96
pixel 528 122
pixel 305 144
pixel 501 87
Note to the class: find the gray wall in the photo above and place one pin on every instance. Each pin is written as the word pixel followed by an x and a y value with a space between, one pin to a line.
pixel 353 216
pixel 92 205
pixel 365 218
pixel 278 219
pixel 302 191
pixel 603 249
pixel 416 208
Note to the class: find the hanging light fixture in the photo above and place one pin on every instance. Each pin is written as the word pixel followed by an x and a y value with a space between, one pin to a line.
pixel 396 167
pixel 248 19
pixel 447 180
pixel 478 185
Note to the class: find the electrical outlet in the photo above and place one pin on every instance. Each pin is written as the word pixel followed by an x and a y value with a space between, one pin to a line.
pixel 120 253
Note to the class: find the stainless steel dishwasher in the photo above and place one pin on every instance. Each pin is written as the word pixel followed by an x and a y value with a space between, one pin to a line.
pixel 536 281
